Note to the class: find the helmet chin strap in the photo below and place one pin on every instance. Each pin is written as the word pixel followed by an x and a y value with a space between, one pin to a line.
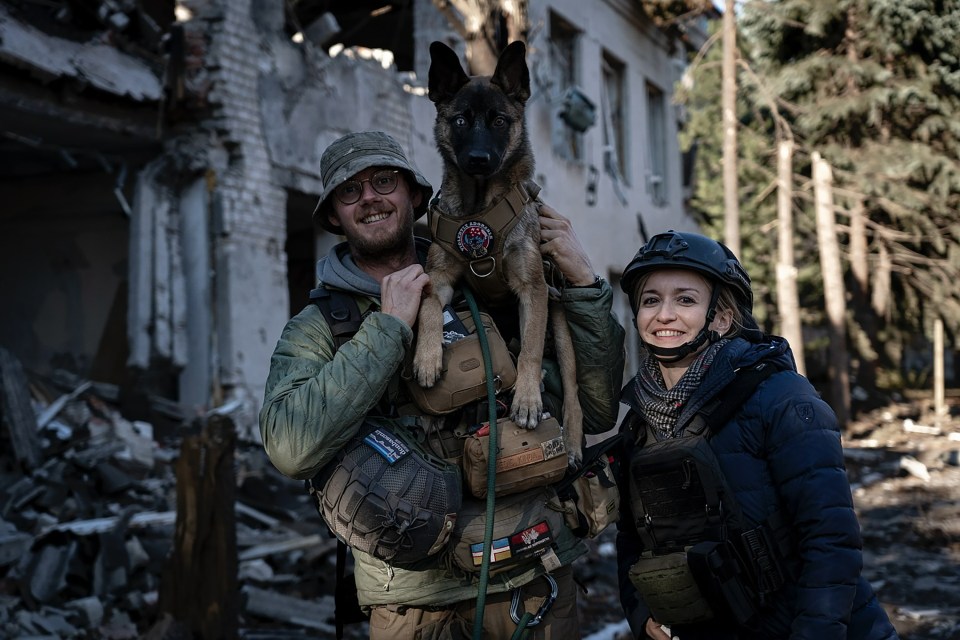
pixel 674 354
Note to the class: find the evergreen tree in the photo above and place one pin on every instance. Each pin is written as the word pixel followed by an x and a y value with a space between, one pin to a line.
pixel 756 170
pixel 873 85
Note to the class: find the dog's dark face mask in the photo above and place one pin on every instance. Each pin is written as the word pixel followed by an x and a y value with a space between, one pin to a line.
pixel 480 130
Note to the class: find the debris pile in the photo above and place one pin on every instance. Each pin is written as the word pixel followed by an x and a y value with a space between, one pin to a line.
pixel 903 467
pixel 88 526
pixel 88 519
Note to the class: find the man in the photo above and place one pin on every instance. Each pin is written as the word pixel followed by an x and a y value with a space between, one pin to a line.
pixel 317 396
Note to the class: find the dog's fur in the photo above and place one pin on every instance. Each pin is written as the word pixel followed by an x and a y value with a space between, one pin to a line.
pixel 481 134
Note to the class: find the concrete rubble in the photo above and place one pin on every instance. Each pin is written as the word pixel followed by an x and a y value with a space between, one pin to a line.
pixel 87 525
pixel 85 532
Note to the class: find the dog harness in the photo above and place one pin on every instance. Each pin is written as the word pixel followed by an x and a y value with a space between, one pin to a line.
pixel 478 239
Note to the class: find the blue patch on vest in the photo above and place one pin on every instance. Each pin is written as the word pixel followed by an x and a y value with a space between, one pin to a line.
pixel 387 445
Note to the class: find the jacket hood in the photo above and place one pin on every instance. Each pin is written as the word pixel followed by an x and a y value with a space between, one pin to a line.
pixel 337 270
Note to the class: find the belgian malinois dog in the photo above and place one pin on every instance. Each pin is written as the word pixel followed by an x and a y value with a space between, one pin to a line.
pixel 489 197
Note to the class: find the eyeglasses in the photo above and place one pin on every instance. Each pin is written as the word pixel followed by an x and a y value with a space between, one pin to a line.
pixel 383 182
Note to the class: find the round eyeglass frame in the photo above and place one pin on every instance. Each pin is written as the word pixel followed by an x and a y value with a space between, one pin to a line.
pixel 384 191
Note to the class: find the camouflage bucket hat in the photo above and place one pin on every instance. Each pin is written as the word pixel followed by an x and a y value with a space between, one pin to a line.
pixel 351 154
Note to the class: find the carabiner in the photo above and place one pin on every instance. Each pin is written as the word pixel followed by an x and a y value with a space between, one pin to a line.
pixel 542 611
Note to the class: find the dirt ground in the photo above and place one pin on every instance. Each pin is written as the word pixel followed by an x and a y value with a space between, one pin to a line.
pixel 902 465
pixel 903 469
pixel 904 473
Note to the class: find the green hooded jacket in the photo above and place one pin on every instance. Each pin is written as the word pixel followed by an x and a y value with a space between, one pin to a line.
pixel 317 398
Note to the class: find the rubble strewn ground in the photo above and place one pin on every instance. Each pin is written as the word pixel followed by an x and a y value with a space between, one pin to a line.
pixel 84 536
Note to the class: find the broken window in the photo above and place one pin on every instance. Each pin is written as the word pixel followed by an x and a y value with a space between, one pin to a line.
pixel 564 58
pixel 614 118
pixel 372 24
pixel 657 145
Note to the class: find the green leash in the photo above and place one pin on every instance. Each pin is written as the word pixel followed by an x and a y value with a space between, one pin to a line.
pixel 522 631
pixel 491 466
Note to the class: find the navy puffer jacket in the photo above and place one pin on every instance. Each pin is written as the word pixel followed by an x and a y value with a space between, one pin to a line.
pixel 780 450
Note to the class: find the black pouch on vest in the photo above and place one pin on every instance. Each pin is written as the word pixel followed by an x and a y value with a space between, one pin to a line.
pixel 715 568
pixel 678 493
pixel 385 495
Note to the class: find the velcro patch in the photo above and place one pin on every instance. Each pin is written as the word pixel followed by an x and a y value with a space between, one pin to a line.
pixel 546 451
pixel 474 239
pixel 387 445
pixel 531 542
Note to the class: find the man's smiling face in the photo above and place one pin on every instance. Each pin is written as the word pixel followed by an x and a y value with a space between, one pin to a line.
pixel 376 223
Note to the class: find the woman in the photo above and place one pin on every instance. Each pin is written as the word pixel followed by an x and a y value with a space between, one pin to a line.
pixel 737 517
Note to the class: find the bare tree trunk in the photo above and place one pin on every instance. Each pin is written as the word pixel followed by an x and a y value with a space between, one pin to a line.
pixel 880 295
pixel 858 244
pixel 880 299
pixel 939 399
pixel 199 586
pixel 731 207
pixel 833 289
pixel 868 350
pixel 788 303
pixel 475 21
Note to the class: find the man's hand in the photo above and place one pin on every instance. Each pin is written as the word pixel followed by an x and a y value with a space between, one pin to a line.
pixel 652 629
pixel 400 293
pixel 560 244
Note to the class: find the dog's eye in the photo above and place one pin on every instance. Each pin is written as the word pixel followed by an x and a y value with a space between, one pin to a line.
pixel 499 121
pixel 460 121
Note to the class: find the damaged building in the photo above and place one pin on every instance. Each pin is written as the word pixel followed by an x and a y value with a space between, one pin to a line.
pixel 159 162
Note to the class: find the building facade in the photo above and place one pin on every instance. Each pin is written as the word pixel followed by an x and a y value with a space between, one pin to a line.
pixel 160 163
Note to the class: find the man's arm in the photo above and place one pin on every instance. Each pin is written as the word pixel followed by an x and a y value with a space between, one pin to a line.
pixel 597 336
pixel 317 397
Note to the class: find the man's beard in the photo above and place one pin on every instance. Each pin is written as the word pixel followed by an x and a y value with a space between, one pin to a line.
pixel 397 243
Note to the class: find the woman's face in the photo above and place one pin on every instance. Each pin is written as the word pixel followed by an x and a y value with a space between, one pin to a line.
pixel 673 307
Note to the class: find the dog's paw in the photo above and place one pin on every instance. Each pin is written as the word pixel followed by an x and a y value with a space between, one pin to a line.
pixel 574 459
pixel 428 366
pixel 526 412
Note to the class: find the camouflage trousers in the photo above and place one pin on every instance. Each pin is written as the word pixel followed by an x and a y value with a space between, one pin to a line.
pixel 455 622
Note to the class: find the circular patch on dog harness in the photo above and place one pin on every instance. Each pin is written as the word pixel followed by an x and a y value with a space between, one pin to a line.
pixel 474 239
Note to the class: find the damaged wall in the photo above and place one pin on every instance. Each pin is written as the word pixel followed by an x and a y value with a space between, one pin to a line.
pixel 188 248
pixel 77 115
pixel 607 216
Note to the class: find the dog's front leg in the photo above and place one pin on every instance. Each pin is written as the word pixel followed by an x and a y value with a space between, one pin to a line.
pixel 572 411
pixel 428 357
pixel 527 406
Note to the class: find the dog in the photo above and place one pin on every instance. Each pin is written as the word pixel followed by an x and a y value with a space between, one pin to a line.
pixel 480 131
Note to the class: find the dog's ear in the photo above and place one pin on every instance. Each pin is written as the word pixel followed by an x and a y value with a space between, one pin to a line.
pixel 446 75
pixel 512 74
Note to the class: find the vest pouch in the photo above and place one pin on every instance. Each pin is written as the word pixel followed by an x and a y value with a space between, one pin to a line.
pixel 592 502
pixel 669 589
pixel 717 571
pixel 678 493
pixel 526 458
pixel 463 378
pixel 386 496
pixel 524 528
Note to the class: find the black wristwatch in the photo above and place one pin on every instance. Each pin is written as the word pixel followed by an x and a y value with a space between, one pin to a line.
pixel 596 284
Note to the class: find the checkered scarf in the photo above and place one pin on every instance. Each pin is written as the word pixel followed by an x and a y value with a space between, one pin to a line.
pixel 661 407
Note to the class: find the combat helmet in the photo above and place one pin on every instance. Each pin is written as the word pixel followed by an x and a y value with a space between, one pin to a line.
pixel 708 257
